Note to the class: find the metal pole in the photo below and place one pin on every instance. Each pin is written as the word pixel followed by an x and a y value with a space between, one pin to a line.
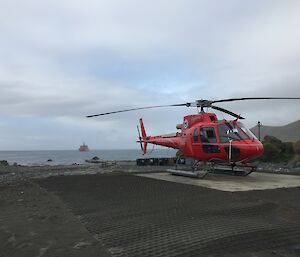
pixel 229 154
pixel 259 125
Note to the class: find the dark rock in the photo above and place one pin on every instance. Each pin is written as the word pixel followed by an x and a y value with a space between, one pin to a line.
pixel 292 164
pixel 49 160
pixel 4 163
pixel 296 169
pixel 96 158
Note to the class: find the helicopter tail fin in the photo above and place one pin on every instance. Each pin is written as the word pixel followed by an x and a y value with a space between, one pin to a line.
pixel 144 136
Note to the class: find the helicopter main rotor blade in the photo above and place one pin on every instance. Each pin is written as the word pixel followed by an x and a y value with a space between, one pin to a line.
pixel 200 103
pixel 226 111
pixel 254 98
pixel 140 108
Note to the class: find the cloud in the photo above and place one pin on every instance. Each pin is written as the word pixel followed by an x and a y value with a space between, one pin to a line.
pixel 62 60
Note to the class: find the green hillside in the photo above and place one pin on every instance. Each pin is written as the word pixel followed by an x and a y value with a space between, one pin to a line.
pixel 287 133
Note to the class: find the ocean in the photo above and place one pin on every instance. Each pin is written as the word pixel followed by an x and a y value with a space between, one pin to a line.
pixel 67 157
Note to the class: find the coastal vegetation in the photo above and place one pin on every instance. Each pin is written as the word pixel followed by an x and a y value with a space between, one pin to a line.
pixel 277 151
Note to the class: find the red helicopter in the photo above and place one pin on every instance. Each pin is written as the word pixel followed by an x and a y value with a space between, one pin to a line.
pixel 206 139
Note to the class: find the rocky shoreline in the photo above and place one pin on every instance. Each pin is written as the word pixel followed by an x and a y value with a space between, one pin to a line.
pixel 15 173
pixel 10 173
pixel 292 167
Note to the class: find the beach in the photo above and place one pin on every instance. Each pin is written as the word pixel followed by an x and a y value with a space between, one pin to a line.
pixel 89 210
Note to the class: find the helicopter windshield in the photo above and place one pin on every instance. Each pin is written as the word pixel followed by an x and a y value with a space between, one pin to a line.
pixel 246 130
pixel 231 131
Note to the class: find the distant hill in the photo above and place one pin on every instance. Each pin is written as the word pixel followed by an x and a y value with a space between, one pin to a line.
pixel 287 133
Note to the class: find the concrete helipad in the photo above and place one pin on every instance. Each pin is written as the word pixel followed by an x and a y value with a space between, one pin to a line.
pixel 255 181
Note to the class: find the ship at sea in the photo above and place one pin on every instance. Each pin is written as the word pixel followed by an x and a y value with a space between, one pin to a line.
pixel 84 148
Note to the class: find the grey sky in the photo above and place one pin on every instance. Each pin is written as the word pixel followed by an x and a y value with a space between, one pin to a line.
pixel 62 60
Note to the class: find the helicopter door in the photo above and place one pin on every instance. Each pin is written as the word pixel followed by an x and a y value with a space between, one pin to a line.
pixel 209 140
pixel 196 142
pixel 196 136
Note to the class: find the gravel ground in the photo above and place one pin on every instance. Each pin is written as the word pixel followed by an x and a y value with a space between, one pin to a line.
pixel 108 211
pixel 9 174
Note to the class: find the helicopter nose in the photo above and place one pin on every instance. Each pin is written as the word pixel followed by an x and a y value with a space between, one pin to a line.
pixel 257 149
pixel 251 150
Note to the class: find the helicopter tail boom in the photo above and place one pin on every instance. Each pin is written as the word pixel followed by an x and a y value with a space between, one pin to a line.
pixel 168 140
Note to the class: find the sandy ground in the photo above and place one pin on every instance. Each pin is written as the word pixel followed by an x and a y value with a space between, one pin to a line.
pixel 95 211
pixel 36 223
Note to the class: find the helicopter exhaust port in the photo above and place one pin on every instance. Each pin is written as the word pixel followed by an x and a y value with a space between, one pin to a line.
pixel 179 126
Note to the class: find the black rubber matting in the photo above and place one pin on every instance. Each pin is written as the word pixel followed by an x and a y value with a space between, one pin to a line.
pixel 136 216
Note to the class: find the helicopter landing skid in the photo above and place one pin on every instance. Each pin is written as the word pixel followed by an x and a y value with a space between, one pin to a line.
pixel 193 170
pixel 199 169
pixel 192 174
pixel 234 169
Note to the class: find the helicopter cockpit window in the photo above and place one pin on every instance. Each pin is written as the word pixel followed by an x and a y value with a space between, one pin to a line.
pixel 195 135
pixel 230 131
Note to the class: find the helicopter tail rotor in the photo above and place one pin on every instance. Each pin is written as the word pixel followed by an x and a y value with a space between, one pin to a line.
pixel 140 138
pixel 144 135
